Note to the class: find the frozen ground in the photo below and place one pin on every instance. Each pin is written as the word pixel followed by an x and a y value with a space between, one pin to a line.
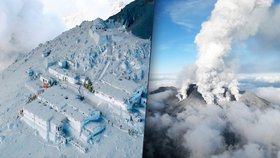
pixel 118 54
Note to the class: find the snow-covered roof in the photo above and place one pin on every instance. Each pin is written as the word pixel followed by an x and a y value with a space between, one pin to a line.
pixel 108 90
pixel 44 112
pixel 69 112
pixel 62 98
pixel 46 77
pixel 64 72
pixel 127 85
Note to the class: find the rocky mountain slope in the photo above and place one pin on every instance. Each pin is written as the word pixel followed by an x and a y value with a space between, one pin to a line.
pixel 137 17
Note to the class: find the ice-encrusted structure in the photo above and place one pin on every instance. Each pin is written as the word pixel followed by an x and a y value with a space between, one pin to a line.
pixel 59 117
pixel 86 86
pixel 113 59
pixel 87 83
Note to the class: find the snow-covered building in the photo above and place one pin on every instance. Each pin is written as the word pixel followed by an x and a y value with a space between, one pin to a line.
pixel 46 121
pixel 64 75
pixel 58 116
pixel 135 98
pixel 122 84
pixel 99 24
pixel 83 79
pixel 67 64
pixel 71 63
pixel 30 72
pixel 98 31
pixel 65 102
pixel 50 63
pixel 46 53
pixel 122 92
pixel 47 81
pixel 63 64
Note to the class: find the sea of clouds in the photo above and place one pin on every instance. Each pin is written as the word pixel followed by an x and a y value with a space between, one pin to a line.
pixel 234 130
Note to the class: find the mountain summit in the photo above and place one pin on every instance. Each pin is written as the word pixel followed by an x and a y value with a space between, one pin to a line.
pixel 83 91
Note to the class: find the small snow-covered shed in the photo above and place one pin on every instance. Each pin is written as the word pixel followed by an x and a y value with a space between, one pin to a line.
pixel 71 63
pixel 63 64
pixel 46 53
pixel 50 63
pixel 47 81
pixel 136 97
pixel 83 79
pixel 30 72
pixel 97 31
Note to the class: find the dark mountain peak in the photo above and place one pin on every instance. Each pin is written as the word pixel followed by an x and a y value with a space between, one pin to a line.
pixel 192 89
pixel 248 98
pixel 194 97
pixel 137 17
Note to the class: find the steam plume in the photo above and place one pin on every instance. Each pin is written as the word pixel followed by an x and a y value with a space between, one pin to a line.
pixel 230 21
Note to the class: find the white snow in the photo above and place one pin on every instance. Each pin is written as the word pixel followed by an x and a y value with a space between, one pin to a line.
pixel 100 62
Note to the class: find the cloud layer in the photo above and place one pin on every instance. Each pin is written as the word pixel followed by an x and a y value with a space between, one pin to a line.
pixel 188 129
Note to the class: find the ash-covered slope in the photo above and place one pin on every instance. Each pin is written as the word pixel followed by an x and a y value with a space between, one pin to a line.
pixel 116 62
pixel 194 97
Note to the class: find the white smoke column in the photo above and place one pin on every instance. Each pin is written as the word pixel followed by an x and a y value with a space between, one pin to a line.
pixel 230 21
pixel 185 79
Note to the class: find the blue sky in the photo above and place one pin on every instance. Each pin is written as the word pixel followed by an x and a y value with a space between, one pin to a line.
pixel 176 24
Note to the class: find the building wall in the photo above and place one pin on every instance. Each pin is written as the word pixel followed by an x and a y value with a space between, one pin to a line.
pixel 46 129
pixel 36 124
pixel 63 77
pixel 108 98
